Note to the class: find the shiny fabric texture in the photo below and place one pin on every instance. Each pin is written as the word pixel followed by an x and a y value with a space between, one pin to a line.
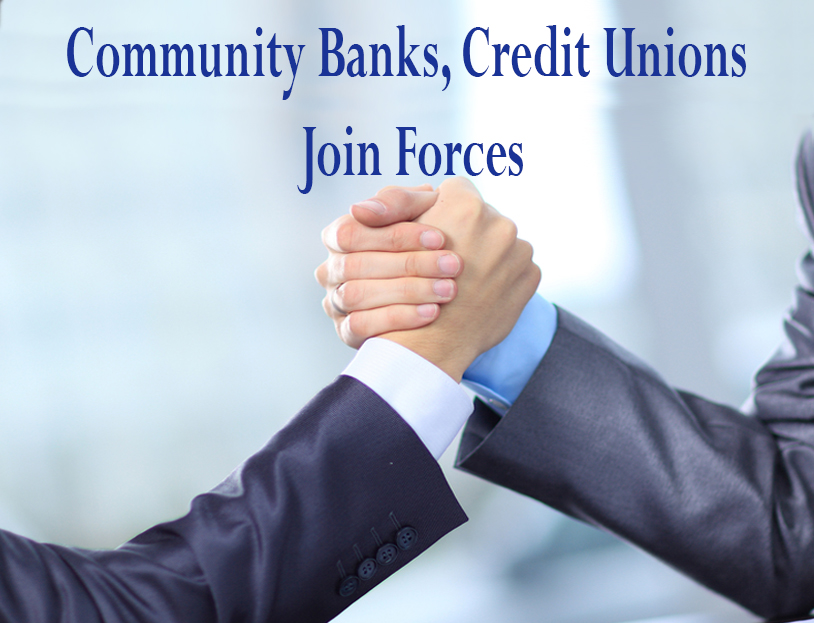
pixel 265 544
pixel 724 495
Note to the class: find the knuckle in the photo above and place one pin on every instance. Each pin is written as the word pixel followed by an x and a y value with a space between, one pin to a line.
pixel 394 317
pixel 350 294
pixel 345 235
pixel 343 330
pixel 336 268
pixel 446 186
pixel 529 280
pixel 526 250
pixel 324 234
pixel 536 275
pixel 321 273
pixel 406 290
pixel 507 228
pixel 329 234
pixel 512 228
pixel 393 239
pixel 356 325
pixel 412 265
pixel 466 196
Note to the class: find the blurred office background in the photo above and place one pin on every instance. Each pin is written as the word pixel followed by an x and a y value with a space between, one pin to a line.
pixel 158 315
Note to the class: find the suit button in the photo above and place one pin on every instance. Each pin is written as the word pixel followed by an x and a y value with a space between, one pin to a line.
pixel 367 568
pixel 407 537
pixel 387 553
pixel 349 586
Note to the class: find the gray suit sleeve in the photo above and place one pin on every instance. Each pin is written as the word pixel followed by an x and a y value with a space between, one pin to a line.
pixel 724 497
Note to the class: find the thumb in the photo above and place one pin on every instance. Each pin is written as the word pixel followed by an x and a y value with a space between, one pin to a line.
pixel 394 204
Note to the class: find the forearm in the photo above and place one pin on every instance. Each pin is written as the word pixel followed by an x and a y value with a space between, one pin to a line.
pixel 266 544
pixel 339 469
pixel 600 436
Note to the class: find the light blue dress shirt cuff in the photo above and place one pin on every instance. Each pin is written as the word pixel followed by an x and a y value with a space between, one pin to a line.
pixel 426 397
pixel 500 374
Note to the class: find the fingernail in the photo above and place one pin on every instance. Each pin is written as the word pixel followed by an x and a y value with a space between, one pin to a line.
pixel 431 239
pixel 443 288
pixel 377 207
pixel 449 264
pixel 427 311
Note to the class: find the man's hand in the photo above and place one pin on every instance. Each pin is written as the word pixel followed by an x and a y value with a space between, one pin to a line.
pixel 389 277
pixel 498 280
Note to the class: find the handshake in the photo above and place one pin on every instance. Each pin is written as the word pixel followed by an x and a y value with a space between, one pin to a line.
pixel 434 287
pixel 568 417
pixel 402 255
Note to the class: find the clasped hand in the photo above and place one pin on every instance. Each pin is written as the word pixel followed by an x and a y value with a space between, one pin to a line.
pixel 398 257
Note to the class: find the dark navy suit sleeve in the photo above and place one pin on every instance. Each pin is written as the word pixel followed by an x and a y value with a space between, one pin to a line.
pixel 726 498
pixel 337 501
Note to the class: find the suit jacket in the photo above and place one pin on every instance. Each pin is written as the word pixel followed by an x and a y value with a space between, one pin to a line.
pixel 726 498
pixel 338 500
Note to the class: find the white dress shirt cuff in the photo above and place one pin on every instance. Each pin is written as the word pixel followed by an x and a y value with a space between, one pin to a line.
pixel 426 397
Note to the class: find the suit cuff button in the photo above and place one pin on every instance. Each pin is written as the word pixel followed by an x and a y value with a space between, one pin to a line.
pixel 367 569
pixel 406 538
pixel 387 553
pixel 348 586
